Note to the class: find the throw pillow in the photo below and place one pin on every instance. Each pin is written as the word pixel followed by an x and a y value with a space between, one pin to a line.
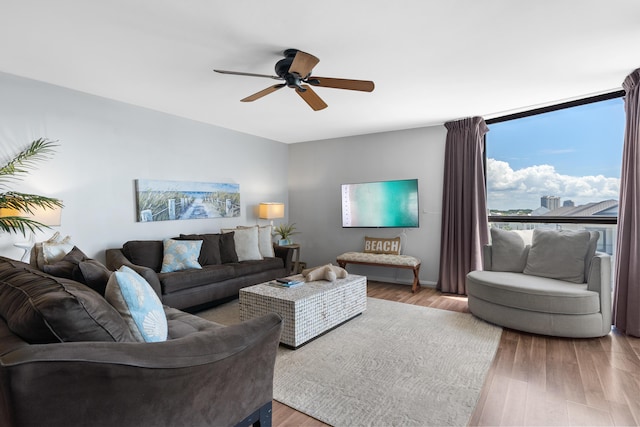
pixel 44 309
pixel 210 251
pixel 246 243
pixel 93 274
pixel 593 245
pixel 65 266
pixel 508 251
pixel 180 255
pixel 147 253
pixel 558 254
pixel 265 242
pixel 55 251
pixel 377 245
pixel 228 248
pixel 138 305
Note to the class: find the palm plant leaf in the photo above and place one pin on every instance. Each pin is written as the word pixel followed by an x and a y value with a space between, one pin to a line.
pixel 13 201
pixel 38 150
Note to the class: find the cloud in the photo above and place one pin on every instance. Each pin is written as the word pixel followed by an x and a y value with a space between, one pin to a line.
pixel 522 188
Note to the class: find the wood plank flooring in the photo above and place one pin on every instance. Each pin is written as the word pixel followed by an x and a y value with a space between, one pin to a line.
pixel 534 380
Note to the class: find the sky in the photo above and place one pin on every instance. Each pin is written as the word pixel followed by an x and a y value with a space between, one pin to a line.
pixel 573 153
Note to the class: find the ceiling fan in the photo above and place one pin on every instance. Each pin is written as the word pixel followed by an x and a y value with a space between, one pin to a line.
pixel 295 70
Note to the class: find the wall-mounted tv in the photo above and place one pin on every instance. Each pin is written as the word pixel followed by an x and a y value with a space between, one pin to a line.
pixel 381 204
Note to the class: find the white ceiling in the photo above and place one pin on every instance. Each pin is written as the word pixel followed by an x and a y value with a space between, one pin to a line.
pixel 432 61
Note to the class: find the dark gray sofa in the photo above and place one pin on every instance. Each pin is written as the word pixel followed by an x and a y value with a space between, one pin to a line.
pixel 220 279
pixel 65 360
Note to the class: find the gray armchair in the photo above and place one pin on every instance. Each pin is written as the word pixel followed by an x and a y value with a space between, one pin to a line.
pixel 559 285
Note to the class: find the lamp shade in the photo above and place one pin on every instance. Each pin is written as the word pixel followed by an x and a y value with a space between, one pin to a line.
pixel 45 216
pixel 271 210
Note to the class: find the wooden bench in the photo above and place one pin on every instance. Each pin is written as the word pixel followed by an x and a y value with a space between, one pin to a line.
pixel 383 260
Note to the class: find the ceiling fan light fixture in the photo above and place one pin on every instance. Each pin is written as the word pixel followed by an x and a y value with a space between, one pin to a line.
pixel 295 70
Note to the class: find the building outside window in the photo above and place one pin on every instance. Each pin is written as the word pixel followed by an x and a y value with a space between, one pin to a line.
pixel 558 167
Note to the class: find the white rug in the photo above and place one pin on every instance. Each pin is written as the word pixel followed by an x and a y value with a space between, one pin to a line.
pixel 396 364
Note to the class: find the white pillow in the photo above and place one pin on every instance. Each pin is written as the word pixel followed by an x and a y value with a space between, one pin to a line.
pixel 138 304
pixel 265 242
pixel 54 251
pixel 246 241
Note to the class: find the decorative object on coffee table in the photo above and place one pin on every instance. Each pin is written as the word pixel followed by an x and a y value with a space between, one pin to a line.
pixel 309 310
pixel 327 272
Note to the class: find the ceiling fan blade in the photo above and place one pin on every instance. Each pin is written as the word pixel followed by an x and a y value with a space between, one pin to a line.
pixel 262 93
pixel 302 63
pixel 238 73
pixel 311 98
pixel 362 85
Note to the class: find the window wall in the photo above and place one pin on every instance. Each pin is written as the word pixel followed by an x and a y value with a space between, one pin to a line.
pixel 558 167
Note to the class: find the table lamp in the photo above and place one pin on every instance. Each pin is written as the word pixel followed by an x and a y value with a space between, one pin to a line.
pixel 271 210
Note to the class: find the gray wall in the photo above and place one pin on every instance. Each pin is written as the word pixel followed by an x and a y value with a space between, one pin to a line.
pixel 318 168
pixel 105 145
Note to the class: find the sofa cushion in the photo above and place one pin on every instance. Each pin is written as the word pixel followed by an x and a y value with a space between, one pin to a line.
pixel 228 248
pixel 210 250
pixel 53 251
pixel 147 253
pixel 175 281
pixel 65 266
pixel 93 274
pixel 558 254
pixel 44 309
pixel 591 252
pixel 181 324
pixel 532 293
pixel 265 240
pixel 509 251
pixel 257 266
pixel 180 255
pixel 246 243
pixel 138 305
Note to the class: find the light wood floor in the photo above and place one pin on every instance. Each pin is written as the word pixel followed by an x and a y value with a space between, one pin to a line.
pixel 535 380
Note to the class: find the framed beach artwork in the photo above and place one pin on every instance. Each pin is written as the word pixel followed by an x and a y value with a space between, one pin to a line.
pixel 159 200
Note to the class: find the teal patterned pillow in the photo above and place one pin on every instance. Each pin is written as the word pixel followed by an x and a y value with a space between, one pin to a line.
pixel 180 255
pixel 138 304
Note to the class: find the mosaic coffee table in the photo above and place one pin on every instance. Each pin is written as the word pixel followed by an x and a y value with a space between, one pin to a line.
pixel 307 310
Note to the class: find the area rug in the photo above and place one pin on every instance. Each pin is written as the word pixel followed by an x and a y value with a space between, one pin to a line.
pixel 395 365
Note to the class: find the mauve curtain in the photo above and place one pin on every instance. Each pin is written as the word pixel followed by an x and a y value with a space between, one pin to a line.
pixel 626 306
pixel 465 228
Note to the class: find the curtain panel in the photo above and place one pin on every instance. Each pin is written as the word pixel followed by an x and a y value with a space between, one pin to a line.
pixel 465 228
pixel 626 306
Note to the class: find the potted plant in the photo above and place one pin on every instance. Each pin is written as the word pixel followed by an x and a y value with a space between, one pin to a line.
pixel 285 231
pixel 14 205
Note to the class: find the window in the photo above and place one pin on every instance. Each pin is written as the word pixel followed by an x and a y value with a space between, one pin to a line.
pixel 558 167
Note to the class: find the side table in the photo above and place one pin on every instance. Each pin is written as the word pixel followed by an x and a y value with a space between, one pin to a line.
pixel 296 261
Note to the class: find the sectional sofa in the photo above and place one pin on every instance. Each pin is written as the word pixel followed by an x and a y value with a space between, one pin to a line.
pixel 68 358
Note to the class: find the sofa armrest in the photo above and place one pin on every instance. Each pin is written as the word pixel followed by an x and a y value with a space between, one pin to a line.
pixel 215 376
pixel 599 280
pixel 286 254
pixel 115 259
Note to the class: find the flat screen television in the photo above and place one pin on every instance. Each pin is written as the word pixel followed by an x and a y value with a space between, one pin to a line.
pixel 382 204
